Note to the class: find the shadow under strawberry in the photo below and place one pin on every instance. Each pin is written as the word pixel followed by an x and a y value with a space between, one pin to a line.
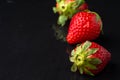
pixel 60 32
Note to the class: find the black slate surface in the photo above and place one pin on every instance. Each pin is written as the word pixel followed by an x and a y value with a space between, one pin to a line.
pixel 30 51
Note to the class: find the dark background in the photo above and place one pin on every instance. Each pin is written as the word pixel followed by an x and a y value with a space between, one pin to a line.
pixel 30 51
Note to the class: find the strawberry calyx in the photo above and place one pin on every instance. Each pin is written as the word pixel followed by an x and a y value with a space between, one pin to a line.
pixel 80 57
pixel 66 9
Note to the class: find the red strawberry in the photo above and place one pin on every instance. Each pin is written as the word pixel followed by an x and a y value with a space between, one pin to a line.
pixel 84 25
pixel 66 9
pixel 84 6
pixel 89 58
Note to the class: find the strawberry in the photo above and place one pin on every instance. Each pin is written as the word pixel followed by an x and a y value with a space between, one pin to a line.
pixel 84 25
pixel 66 9
pixel 83 6
pixel 89 58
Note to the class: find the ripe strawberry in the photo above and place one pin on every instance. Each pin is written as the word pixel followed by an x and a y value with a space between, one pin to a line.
pixel 84 6
pixel 84 25
pixel 89 58
pixel 66 9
